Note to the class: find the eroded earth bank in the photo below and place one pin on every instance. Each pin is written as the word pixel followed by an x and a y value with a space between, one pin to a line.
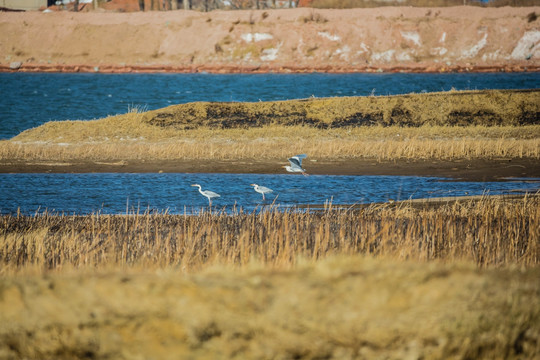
pixel 464 38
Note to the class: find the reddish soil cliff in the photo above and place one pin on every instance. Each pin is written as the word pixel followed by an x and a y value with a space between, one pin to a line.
pixel 461 38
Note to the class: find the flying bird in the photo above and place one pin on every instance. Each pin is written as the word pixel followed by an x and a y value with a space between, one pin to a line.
pixel 296 164
pixel 262 189
pixel 209 194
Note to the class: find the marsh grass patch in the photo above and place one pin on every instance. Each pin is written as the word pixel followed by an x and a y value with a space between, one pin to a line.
pixel 443 126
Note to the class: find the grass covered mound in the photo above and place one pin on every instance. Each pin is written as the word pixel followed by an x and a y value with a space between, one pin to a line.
pixel 441 126
pixel 463 108
pixel 487 108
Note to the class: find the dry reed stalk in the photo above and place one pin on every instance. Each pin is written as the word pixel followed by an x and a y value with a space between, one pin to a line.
pixel 488 232
pixel 383 149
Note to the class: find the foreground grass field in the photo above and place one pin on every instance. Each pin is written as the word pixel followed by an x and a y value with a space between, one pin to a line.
pixel 388 281
pixel 338 308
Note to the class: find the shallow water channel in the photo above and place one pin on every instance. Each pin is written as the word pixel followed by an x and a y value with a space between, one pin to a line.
pixel 119 193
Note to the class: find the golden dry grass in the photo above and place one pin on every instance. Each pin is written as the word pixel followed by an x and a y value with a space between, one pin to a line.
pixel 415 126
pixel 338 308
pixel 386 281
pixel 277 142
pixel 488 232
pixel 462 108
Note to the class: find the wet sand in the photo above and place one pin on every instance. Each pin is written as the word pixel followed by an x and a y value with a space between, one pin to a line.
pixel 472 170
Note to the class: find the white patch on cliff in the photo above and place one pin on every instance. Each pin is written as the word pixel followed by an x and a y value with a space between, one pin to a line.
pixel 411 36
pixel 438 51
pixel 300 44
pixel 473 51
pixel 329 36
pixel 385 56
pixel 491 56
pixel 404 56
pixel 269 54
pixel 443 38
pixel 249 37
pixel 344 52
pixel 363 48
pixel 525 47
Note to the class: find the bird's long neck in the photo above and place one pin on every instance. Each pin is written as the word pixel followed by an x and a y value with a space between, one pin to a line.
pixel 200 189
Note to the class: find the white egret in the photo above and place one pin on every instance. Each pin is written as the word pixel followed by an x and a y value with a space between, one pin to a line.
pixel 209 194
pixel 262 189
pixel 296 164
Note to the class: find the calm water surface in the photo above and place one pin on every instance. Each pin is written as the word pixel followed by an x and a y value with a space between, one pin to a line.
pixel 114 193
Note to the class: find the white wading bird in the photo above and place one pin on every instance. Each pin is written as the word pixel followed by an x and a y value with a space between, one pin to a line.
pixel 296 164
pixel 262 189
pixel 209 194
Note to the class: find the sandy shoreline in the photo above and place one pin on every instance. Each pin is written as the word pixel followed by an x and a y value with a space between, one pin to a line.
pixel 471 170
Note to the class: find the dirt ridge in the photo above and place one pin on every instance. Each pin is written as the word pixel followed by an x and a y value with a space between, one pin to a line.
pixel 389 39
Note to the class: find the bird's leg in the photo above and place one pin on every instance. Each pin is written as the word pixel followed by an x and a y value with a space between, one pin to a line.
pixel 263 196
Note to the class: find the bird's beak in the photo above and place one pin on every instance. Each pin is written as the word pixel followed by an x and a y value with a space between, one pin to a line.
pixel 251 184
pixel 193 185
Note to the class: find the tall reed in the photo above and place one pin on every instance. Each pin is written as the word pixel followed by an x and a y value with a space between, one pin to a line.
pixel 488 232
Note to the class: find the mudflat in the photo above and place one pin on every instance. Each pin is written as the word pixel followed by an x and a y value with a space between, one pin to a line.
pixel 472 170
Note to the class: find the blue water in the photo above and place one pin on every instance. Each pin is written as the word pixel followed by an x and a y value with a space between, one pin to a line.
pixel 121 193
pixel 29 100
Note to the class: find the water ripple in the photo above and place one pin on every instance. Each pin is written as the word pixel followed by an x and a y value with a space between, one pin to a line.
pixel 172 192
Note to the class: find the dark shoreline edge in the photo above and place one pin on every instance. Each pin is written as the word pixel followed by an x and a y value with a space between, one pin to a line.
pixel 469 170
pixel 262 69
